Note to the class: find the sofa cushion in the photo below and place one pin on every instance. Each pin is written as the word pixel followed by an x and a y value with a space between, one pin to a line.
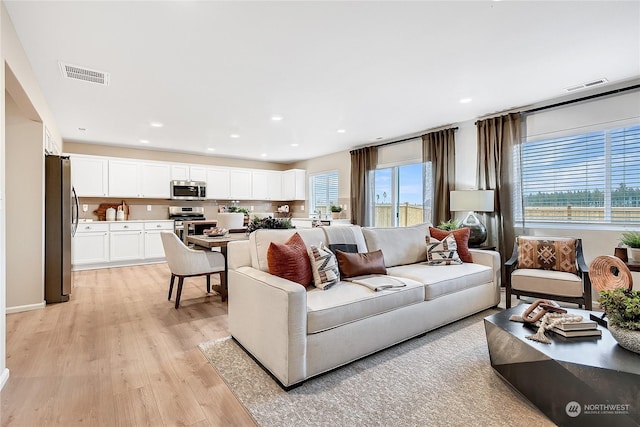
pixel 359 264
pixel 439 281
pixel 558 254
pixel 324 266
pixel 260 240
pixel 547 282
pixel 348 302
pixel 345 238
pixel 462 240
pixel 290 260
pixel 443 253
pixel 400 245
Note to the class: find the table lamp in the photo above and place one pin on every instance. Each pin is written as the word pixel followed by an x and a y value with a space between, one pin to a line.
pixel 473 201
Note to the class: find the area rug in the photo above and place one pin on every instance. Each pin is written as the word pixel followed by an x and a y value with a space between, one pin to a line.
pixel 441 378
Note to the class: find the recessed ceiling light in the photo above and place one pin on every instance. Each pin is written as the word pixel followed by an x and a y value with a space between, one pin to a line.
pixel 341 131
pixel 263 155
pixel 294 145
pixel 211 149
pixel 144 141
pixel 156 124
pixel 82 129
pixel 234 135
pixel 465 100
pixel 276 118
pixel 379 138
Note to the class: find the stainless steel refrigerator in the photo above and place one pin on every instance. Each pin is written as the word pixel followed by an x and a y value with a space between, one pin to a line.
pixel 61 222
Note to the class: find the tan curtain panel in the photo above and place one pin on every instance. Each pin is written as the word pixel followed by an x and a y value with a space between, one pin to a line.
pixel 497 138
pixel 363 161
pixel 439 148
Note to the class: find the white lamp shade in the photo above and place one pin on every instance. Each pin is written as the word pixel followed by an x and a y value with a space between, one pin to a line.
pixel 472 200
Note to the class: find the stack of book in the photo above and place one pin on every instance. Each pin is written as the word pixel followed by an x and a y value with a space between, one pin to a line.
pixel 586 328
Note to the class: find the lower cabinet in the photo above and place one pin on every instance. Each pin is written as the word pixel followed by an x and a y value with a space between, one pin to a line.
pixel 126 242
pixel 111 244
pixel 90 245
pixel 152 241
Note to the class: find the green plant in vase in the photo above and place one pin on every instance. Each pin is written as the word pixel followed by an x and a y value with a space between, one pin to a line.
pixel 335 211
pixel 622 307
pixel 268 223
pixel 452 224
pixel 631 239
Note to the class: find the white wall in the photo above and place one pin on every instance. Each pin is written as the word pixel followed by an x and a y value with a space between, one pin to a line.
pixel 4 372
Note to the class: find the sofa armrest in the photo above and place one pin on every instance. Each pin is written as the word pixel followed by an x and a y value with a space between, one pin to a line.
pixel 268 317
pixel 490 259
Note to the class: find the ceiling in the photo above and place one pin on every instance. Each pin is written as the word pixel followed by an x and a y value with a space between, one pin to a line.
pixel 215 73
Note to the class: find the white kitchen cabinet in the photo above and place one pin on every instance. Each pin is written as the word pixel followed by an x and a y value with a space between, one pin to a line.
pixel 90 245
pixel 240 184
pixel 155 180
pixel 180 172
pixel 218 183
pixel 294 184
pixel 197 173
pixel 126 241
pixel 139 179
pixel 90 176
pixel 124 178
pixel 152 241
pixel 266 185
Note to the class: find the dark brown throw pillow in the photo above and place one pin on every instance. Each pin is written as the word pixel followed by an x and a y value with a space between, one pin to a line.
pixel 290 260
pixel 462 240
pixel 358 264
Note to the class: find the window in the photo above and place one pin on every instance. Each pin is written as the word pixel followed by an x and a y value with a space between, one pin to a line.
pixel 590 177
pixel 400 197
pixel 324 192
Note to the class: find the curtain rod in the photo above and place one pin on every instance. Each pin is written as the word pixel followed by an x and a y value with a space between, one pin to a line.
pixel 408 139
pixel 586 98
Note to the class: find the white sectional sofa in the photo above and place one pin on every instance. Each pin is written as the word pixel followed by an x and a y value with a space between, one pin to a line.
pixel 297 332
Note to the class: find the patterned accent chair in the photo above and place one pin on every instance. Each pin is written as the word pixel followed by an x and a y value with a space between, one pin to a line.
pixel 548 267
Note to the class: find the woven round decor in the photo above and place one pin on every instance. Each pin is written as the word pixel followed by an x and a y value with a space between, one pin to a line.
pixel 608 272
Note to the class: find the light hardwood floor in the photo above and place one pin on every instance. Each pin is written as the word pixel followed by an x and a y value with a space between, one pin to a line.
pixel 119 354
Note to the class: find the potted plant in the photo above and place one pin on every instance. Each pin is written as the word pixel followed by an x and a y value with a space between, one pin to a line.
pixel 452 224
pixel 335 211
pixel 631 239
pixel 622 307
pixel 269 223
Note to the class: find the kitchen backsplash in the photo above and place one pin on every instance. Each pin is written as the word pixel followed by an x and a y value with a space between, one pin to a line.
pixel 160 207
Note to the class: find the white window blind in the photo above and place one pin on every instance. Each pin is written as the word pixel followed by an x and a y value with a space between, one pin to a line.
pixel 324 192
pixel 588 177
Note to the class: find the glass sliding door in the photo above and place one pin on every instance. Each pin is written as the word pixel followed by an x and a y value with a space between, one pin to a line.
pixel 402 195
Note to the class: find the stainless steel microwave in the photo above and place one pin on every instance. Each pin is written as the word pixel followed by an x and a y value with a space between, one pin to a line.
pixel 188 190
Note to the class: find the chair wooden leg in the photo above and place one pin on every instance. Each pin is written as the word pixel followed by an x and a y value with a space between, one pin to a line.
pixel 507 297
pixel 180 281
pixel 208 283
pixel 173 277
pixel 223 286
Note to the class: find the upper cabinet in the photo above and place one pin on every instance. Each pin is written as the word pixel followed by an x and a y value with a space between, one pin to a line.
pixel 266 185
pixel 129 178
pixel 240 184
pixel 294 184
pixel 95 176
pixel 90 176
pixel 217 183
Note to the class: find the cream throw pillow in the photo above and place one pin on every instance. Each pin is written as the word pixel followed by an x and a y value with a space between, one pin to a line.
pixel 444 252
pixel 324 267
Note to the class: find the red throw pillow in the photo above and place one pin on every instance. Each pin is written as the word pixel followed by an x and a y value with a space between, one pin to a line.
pixel 359 264
pixel 290 260
pixel 462 240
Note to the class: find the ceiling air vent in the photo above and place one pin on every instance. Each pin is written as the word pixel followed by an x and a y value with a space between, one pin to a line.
pixel 76 72
pixel 587 85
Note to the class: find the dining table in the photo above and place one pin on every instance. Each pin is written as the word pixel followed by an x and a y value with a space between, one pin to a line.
pixel 207 242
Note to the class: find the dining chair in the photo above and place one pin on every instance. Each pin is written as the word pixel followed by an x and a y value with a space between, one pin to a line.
pixel 185 262
pixel 230 220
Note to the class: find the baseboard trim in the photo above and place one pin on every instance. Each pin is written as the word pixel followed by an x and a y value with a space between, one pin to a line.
pixel 4 377
pixel 29 307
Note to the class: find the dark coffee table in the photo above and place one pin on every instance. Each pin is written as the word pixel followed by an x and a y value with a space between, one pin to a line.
pixel 586 381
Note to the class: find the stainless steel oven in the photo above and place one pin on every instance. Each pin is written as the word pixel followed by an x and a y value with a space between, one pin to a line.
pixel 179 214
